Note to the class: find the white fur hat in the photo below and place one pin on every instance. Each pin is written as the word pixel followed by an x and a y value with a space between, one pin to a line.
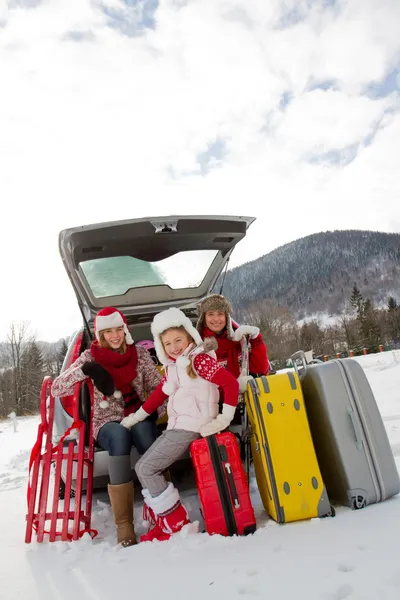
pixel 219 303
pixel 167 319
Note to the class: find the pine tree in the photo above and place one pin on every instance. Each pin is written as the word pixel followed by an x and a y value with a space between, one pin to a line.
pixel 357 300
pixel 369 327
pixel 7 401
pixel 367 306
pixel 32 372
pixel 393 320
pixel 369 331
pixel 61 355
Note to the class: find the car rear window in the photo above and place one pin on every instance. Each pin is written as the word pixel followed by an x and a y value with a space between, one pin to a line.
pixel 114 276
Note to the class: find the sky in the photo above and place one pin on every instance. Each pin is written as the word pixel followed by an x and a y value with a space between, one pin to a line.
pixel 288 111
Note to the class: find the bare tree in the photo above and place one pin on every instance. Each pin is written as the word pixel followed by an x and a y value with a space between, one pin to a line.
pixel 278 327
pixel 53 356
pixel 17 339
pixel 349 328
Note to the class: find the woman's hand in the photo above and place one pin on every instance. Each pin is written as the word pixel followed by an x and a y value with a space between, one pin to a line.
pixel 221 421
pixel 134 418
pixel 243 330
pixel 101 378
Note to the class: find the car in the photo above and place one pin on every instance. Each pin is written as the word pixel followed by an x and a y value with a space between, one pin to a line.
pixel 140 266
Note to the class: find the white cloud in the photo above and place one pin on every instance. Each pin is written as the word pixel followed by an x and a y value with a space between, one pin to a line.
pixel 96 125
pixel 322 120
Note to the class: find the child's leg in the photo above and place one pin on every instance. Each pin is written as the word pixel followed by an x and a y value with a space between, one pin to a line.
pixel 167 513
pixel 167 449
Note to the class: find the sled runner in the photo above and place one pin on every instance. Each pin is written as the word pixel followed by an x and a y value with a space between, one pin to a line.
pixel 44 505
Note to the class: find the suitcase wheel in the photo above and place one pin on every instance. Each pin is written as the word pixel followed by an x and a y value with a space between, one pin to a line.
pixel 331 513
pixel 358 502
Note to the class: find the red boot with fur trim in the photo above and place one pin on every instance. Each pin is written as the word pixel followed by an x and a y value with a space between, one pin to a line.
pixel 171 515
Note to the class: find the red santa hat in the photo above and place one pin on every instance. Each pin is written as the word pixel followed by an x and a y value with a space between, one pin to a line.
pixel 110 317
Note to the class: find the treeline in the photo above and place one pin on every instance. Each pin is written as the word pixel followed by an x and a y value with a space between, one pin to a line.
pixel 360 326
pixel 23 364
pixel 24 361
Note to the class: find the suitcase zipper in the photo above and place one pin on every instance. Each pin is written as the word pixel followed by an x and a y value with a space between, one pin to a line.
pixel 231 482
pixel 222 485
pixel 257 449
pixel 253 435
pixel 360 425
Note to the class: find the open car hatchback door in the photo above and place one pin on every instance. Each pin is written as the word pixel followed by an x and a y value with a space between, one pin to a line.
pixel 142 266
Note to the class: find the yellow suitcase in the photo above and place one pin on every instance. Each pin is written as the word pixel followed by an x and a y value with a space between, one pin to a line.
pixel 286 467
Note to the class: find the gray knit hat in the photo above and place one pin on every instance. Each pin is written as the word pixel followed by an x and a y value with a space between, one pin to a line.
pixel 215 302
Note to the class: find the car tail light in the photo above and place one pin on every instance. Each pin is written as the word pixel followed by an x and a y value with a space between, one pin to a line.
pixel 68 401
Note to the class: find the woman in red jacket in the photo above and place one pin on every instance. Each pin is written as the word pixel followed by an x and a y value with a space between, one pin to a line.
pixel 215 321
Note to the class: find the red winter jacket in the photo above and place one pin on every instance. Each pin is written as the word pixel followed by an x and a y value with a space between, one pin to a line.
pixel 229 353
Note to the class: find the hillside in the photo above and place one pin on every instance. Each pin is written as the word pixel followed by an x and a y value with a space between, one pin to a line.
pixel 316 273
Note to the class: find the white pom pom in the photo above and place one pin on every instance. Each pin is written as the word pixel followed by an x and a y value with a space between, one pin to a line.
pixel 117 394
pixel 169 388
pixel 104 404
pixel 183 361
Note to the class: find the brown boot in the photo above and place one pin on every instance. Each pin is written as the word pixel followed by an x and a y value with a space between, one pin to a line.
pixel 121 497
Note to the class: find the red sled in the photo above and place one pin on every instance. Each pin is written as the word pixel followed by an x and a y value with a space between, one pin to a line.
pixel 222 485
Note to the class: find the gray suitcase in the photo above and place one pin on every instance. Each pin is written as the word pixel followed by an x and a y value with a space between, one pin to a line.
pixel 350 439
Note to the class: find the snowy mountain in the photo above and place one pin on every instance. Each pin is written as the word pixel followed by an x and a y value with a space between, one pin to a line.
pixel 316 273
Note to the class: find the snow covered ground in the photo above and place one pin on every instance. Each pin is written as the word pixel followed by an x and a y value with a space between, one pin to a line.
pixel 354 556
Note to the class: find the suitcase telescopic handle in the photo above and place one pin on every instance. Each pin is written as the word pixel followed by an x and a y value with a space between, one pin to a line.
pixel 299 355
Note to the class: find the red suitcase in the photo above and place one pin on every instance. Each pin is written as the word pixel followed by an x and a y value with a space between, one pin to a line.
pixel 222 485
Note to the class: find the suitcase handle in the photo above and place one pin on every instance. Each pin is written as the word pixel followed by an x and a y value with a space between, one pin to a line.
pixel 356 427
pixel 232 485
pixel 299 355
pixel 229 476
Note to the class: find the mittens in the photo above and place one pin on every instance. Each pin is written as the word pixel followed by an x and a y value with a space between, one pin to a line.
pixel 245 330
pixel 221 421
pixel 243 381
pixel 134 418
pixel 101 378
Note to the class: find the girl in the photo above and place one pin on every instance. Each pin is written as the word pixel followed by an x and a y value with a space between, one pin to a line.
pixel 122 373
pixel 191 382
pixel 215 321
